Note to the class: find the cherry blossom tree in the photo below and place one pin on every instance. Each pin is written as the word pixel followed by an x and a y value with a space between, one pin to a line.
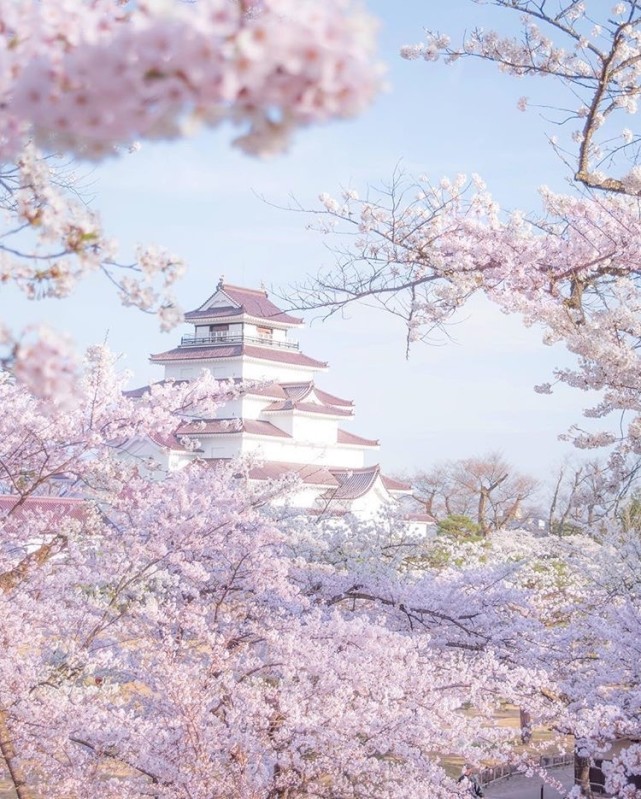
pixel 562 656
pixel 173 642
pixel 162 638
pixel 590 49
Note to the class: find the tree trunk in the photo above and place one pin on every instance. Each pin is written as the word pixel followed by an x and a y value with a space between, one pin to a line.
pixel 526 725
pixel 482 523
pixel 16 772
pixel 582 775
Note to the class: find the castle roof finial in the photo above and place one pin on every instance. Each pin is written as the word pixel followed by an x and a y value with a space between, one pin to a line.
pixel 221 282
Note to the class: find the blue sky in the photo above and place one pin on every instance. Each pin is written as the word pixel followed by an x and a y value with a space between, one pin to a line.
pixel 200 199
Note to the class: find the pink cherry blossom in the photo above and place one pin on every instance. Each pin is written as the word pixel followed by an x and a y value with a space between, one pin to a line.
pixel 86 77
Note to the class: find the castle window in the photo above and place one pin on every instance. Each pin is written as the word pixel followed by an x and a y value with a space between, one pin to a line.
pixel 218 331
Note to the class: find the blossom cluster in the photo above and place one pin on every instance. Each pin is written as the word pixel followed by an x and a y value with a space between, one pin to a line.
pixel 86 77
pixel 50 242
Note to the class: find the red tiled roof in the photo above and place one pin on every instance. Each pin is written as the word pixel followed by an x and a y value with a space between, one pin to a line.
pixel 311 474
pixel 298 391
pixel 260 428
pixel 209 427
pixel 395 485
pixel 342 483
pixel 353 483
pixel 234 351
pixel 231 427
pixel 137 393
pixel 349 438
pixel 266 390
pixel 246 301
pixel 419 517
pixel 170 441
pixel 70 507
pixel 306 407
pixel 282 356
pixel 197 353
pixel 330 399
pixel 258 389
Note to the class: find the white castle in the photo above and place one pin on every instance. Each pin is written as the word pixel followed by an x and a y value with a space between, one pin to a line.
pixel 286 423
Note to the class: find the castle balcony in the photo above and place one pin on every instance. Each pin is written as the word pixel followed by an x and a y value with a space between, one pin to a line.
pixel 226 340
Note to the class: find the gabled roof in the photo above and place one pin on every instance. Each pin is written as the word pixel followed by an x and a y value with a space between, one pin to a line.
pixel 306 407
pixel 205 353
pixel 396 485
pixel 310 474
pixel 241 301
pixel 209 427
pixel 353 483
pixel 299 391
pixel 344 437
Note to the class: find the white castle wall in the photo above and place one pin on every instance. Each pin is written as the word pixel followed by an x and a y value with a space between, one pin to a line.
pixel 251 407
pixel 233 445
pixel 283 421
pixel 317 429
pixel 190 371
pixel 275 370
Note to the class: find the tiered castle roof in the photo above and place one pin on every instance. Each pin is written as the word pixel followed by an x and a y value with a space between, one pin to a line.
pixel 193 352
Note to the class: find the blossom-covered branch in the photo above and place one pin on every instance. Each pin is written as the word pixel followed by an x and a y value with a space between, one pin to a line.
pixel 421 250
pixel 593 50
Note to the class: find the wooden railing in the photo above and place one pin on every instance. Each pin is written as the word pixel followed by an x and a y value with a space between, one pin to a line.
pixel 224 340
pixel 493 773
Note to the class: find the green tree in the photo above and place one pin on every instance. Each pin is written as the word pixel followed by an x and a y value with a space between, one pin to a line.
pixel 459 526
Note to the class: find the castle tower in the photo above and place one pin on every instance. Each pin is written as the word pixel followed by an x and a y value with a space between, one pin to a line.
pixel 281 418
